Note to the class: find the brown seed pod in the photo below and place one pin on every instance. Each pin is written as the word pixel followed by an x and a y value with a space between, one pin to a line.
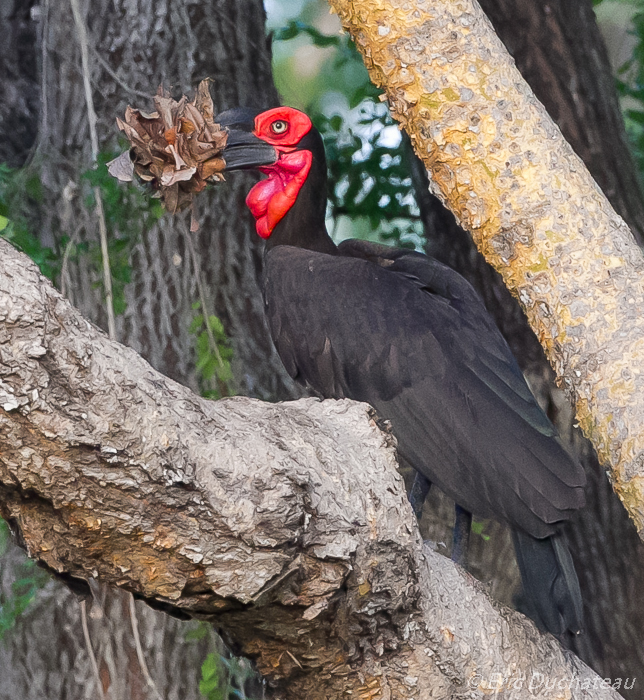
pixel 177 148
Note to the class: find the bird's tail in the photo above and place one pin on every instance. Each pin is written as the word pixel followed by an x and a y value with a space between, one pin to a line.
pixel 549 582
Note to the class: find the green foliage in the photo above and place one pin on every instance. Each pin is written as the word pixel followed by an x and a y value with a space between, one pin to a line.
pixel 344 70
pixel 129 211
pixel 296 28
pixel 200 631
pixel 4 537
pixel 29 580
pixel 478 528
pixel 214 355
pixel 630 84
pixel 210 685
pixel 20 190
pixel 223 676
pixel 370 177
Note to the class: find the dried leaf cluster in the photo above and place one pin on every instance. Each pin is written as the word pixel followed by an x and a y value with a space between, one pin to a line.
pixel 176 148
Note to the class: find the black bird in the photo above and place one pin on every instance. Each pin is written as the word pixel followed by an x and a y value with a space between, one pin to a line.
pixel 410 336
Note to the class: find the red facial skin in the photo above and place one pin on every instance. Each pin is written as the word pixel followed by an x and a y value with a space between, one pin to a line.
pixel 270 199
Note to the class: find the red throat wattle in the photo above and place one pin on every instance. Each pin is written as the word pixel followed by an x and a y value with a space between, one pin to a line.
pixel 270 199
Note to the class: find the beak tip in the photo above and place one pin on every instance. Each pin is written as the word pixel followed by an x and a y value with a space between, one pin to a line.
pixel 244 150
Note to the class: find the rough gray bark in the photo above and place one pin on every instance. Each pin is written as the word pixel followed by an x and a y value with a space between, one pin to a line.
pixel 559 51
pixel 286 525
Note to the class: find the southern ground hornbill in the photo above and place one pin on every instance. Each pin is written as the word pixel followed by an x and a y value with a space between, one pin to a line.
pixel 411 337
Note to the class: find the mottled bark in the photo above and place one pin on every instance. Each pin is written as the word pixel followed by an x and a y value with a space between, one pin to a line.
pixel 559 51
pixel 532 207
pixel 251 515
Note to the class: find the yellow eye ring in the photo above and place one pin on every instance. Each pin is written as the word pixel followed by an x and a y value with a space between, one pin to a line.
pixel 279 127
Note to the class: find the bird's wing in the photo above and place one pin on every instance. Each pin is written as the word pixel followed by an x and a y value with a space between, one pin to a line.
pixel 411 337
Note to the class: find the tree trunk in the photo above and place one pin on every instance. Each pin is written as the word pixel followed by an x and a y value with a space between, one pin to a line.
pixel 45 657
pixel 134 46
pixel 559 51
pixel 248 514
pixel 19 87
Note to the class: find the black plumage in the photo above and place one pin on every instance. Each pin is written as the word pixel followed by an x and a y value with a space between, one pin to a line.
pixel 410 336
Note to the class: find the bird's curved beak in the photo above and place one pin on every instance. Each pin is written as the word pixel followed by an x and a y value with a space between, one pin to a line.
pixel 244 150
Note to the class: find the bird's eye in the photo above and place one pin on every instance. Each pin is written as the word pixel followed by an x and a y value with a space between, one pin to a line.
pixel 279 126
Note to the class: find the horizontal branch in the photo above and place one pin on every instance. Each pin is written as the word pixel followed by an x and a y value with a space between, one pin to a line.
pixel 285 524
pixel 499 162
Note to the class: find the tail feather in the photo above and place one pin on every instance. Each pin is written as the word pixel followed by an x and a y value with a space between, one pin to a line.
pixel 550 582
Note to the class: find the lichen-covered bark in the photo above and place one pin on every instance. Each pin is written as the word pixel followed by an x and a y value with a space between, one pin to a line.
pixel 286 525
pixel 502 166
pixel 559 51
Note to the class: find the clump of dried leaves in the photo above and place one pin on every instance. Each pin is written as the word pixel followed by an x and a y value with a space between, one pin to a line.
pixel 176 148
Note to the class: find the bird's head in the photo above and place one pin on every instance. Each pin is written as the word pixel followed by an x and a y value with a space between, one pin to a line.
pixel 282 143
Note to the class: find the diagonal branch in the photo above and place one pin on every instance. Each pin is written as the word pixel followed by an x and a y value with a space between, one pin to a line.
pixel 286 525
pixel 502 166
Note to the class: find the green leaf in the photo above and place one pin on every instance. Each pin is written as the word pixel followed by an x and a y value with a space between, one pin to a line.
pixel 198 633
pixel 296 28
pixel 196 324
pixel 635 115
pixel 216 325
pixel 4 537
pixel 290 31
pixel 211 681
pixel 224 372
pixel 209 668
pixel 478 526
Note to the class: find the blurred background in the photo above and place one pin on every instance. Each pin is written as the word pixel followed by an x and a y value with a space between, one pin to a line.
pixel 190 303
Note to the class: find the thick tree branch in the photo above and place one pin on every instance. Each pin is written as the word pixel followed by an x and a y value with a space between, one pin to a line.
pixel 286 525
pixel 499 162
